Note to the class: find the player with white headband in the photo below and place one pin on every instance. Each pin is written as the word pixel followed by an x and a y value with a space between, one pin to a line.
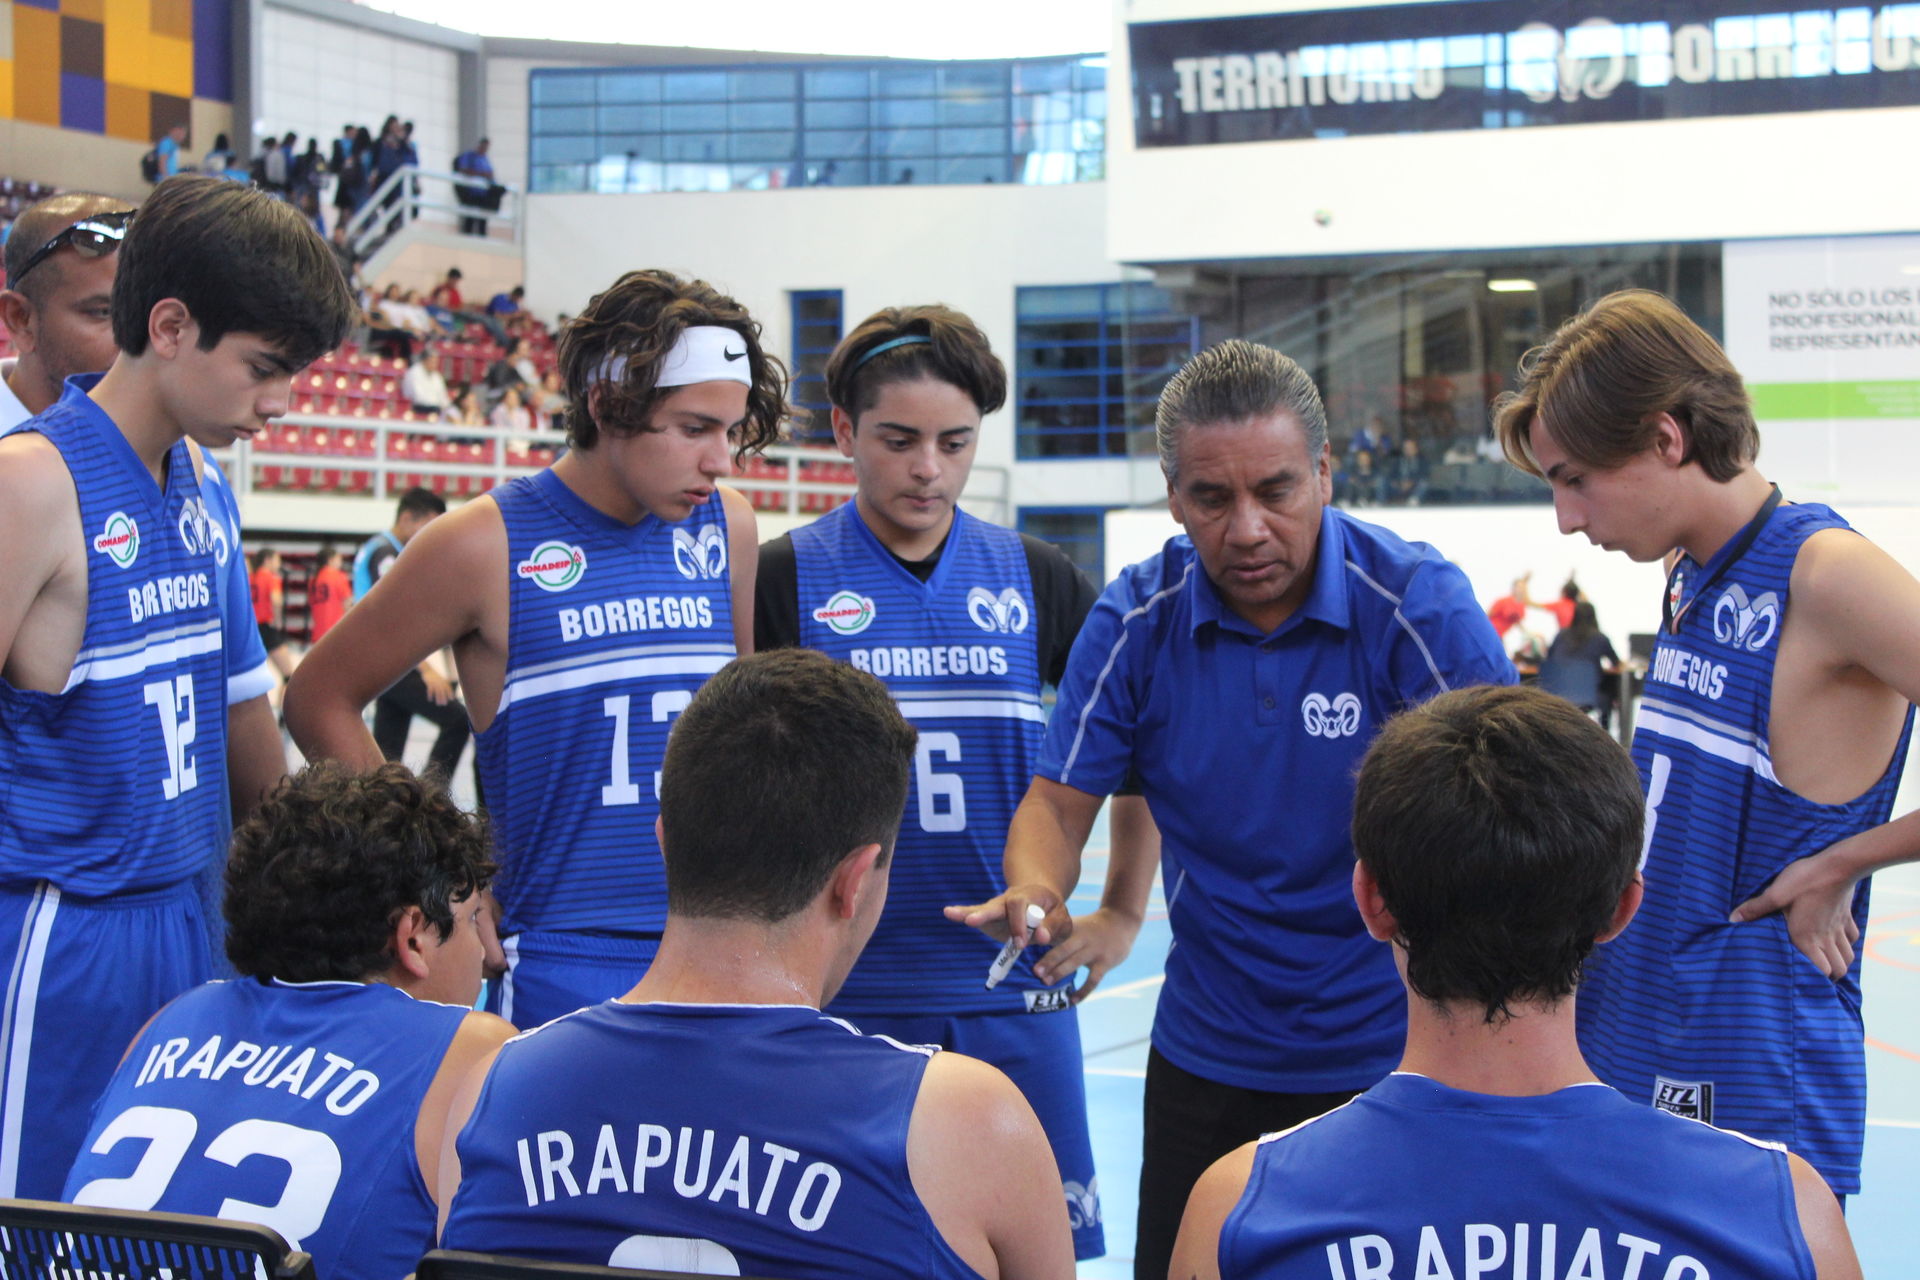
pixel 584 605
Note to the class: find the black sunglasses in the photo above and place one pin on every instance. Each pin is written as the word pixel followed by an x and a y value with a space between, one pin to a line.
pixel 93 237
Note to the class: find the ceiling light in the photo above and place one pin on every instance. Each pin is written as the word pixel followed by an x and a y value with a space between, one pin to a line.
pixel 1513 286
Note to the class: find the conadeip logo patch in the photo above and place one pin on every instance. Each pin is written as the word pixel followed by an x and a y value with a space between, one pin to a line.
pixel 848 613
pixel 121 540
pixel 554 566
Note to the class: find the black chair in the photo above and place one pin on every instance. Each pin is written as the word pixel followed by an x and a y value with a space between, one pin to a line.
pixel 455 1264
pixel 41 1238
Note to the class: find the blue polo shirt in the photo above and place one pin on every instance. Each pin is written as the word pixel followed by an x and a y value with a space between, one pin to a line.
pixel 1246 743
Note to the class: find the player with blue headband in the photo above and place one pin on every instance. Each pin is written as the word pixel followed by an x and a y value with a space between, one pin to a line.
pixel 964 621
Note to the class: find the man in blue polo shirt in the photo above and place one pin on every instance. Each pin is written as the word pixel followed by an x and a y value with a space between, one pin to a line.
pixel 1242 672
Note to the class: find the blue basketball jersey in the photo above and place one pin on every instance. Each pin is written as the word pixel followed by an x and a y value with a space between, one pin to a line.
pixel 1413 1178
pixel 721 1139
pixel 958 651
pixel 1730 1023
pixel 118 782
pixel 287 1104
pixel 612 628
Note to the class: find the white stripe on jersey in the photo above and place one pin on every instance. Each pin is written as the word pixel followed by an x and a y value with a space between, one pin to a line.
pixel 159 650
pixel 995 709
pixel 1113 656
pixel 609 672
pixel 1725 742
pixel 16 1038
pixel 1401 618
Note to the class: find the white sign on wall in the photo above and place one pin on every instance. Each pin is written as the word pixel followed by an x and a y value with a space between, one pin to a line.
pixel 1827 334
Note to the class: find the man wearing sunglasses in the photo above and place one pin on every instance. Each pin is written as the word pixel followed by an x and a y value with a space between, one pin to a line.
pixel 113 709
pixel 60 264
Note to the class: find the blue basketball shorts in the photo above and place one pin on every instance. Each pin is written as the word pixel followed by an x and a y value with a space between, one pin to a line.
pixel 85 975
pixel 1040 1052
pixel 550 974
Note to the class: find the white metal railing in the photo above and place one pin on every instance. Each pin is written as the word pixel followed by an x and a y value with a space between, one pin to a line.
pixel 379 457
pixel 412 194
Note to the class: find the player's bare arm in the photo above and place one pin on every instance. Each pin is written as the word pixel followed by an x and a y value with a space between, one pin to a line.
pixel 450 588
pixel 981 1164
pixel 256 756
pixel 1104 938
pixel 743 562
pixel 465 1097
pixel 478 1039
pixel 1848 669
pixel 43 593
pixel 1196 1252
pixel 1042 864
pixel 1822 1223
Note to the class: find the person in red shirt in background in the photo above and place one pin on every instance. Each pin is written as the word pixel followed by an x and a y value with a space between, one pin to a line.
pixel 268 593
pixel 327 593
pixel 1510 610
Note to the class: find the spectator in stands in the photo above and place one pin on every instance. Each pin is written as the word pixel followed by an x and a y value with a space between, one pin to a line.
pixel 1364 481
pixel 344 160
pixel 60 264
pixel 353 912
pixel 467 410
pixel 506 304
pixel 447 293
pixel 276 165
pixel 168 150
pixel 343 253
pixel 1510 610
pixel 512 414
pixel 508 371
pixel 327 593
pixel 1371 438
pixel 308 170
pixel 484 194
pixel 1406 474
pixel 550 402
pixel 389 157
pixel 425 387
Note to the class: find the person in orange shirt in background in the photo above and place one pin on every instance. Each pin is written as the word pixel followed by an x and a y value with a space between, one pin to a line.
pixel 327 593
pixel 268 593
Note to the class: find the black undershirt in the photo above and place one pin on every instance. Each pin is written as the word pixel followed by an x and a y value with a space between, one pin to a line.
pixel 1061 598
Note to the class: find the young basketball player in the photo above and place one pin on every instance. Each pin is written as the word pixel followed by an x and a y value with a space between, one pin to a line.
pixel 584 606
pixel 714 1119
pixel 114 707
pixel 965 621
pixel 1497 833
pixel 1770 742
pixel 324 1071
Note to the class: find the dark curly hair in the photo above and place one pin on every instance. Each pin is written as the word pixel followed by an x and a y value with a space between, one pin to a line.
pixel 639 318
pixel 320 872
pixel 1501 825
pixel 956 352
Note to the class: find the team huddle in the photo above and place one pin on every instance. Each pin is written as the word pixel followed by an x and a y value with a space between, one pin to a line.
pixel 1458 986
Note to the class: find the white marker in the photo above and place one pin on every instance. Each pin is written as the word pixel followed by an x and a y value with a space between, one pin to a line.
pixel 1010 951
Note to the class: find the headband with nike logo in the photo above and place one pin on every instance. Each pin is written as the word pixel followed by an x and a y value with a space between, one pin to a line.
pixel 704 353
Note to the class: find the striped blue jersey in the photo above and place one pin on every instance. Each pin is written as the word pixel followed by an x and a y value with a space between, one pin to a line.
pixel 118 782
pixel 288 1104
pixel 1413 1178
pixel 612 627
pixel 762 1140
pixel 958 651
pixel 1730 1023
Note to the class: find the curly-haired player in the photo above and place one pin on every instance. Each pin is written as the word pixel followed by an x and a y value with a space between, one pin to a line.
pixel 584 606
pixel 284 1096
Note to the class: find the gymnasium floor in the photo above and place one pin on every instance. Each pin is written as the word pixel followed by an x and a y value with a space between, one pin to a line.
pixel 1116 1019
